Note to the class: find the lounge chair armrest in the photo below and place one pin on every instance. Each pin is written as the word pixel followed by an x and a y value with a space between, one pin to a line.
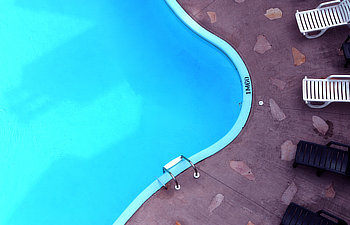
pixel 340 221
pixel 337 143
pixel 327 3
pixel 338 76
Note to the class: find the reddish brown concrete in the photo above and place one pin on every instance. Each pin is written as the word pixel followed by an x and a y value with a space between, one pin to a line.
pixel 259 143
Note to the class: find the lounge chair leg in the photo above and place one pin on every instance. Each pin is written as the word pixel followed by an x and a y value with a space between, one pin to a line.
pixel 318 106
pixel 346 64
pixel 295 165
pixel 319 172
pixel 316 35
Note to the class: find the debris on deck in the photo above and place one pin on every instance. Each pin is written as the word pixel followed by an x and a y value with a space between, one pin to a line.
pixel 242 168
pixel 329 192
pixel 212 16
pixel 288 150
pixel 299 58
pixel 273 13
pixel 320 124
pixel 262 45
pixel 289 193
pixel 276 111
pixel 216 202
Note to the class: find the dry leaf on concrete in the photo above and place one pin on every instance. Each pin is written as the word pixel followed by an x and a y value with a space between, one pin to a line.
pixel 320 124
pixel 273 13
pixel 276 111
pixel 216 202
pixel 250 223
pixel 329 192
pixel 212 16
pixel 289 193
pixel 298 57
pixel 242 168
pixel 288 150
pixel 262 45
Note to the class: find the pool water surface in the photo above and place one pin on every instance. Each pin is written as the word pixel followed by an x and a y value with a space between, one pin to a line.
pixel 95 97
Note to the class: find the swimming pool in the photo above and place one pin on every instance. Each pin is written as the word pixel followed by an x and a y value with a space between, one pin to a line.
pixel 94 100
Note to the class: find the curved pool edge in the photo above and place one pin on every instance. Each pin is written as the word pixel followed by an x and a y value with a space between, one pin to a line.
pixel 237 61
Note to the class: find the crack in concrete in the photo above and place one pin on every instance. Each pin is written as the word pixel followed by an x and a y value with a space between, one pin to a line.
pixel 242 195
pixel 200 11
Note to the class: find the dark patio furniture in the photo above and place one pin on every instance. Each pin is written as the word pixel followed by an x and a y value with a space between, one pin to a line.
pixel 323 157
pixel 296 214
pixel 346 50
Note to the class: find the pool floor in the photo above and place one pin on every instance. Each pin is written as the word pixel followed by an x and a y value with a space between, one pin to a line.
pixel 95 97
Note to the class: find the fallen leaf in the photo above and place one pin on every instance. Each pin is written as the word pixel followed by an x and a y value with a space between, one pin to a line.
pixel 273 13
pixel 276 111
pixel 299 58
pixel 320 124
pixel 242 168
pixel 216 202
pixel 212 16
pixel 262 45
pixel 289 193
pixel 288 150
pixel 330 192
pixel 250 223
pixel 177 223
pixel 239 1
pixel 340 52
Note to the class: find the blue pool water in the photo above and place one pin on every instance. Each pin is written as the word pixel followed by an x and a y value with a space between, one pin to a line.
pixel 95 97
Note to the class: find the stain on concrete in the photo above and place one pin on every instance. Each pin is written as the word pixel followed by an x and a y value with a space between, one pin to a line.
pixel 289 193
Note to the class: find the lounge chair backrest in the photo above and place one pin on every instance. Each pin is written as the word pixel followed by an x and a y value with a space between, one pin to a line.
pixel 326 15
pixel 344 8
pixel 335 88
pixel 323 157
pixel 296 214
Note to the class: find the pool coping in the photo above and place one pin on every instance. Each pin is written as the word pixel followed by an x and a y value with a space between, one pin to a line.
pixel 246 83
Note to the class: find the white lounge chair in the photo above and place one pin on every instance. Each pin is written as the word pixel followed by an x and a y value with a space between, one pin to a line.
pixel 326 15
pixel 335 88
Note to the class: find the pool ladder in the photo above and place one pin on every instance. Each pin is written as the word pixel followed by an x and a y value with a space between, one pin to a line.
pixel 172 163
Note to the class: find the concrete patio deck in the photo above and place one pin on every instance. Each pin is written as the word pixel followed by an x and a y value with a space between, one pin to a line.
pixel 274 76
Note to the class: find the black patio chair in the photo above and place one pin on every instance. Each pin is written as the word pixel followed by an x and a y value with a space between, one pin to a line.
pixel 323 157
pixel 296 214
pixel 346 50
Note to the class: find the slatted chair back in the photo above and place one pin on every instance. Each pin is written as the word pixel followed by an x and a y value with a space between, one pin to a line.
pixel 324 158
pixel 335 88
pixel 296 214
pixel 344 8
pixel 326 15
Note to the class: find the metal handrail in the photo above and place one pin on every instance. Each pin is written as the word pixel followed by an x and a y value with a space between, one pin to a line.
pixel 196 173
pixel 174 162
pixel 177 185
